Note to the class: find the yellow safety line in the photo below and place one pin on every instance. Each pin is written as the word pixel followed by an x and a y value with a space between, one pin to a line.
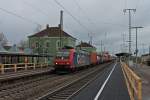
pixel 127 84
pixel 131 77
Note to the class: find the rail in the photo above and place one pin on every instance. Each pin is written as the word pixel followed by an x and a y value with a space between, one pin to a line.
pixel 133 81
pixel 21 66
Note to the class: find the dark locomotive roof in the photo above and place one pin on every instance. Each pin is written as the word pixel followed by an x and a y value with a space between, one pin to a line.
pixel 84 44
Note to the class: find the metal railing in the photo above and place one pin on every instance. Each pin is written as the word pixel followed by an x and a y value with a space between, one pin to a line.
pixel 21 66
pixel 133 81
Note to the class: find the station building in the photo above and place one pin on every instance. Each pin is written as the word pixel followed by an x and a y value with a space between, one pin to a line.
pixel 50 40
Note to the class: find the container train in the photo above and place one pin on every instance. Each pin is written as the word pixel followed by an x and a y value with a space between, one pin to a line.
pixel 70 60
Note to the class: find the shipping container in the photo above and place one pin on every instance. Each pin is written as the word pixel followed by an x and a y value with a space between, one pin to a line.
pixel 93 58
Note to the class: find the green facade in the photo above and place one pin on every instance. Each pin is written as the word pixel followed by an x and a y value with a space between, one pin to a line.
pixel 49 45
pixel 48 41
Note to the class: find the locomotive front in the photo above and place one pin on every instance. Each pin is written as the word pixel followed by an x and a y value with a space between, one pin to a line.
pixel 63 60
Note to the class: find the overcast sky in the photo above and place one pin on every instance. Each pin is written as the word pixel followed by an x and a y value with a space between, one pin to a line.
pixel 102 19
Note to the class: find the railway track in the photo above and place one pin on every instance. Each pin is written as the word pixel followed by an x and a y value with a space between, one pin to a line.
pixel 24 74
pixel 67 91
pixel 34 87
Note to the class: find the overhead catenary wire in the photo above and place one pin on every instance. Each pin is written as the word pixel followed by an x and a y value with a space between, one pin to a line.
pixel 79 22
pixel 137 4
pixel 84 13
pixel 86 16
pixel 91 21
pixel 125 2
pixel 100 22
pixel 68 12
pixel 19 16
pixel 36 8
pixel 113 24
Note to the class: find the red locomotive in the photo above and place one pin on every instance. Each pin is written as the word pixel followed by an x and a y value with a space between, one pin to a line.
pixel 69 60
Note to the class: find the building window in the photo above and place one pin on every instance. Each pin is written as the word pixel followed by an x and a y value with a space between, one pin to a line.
pixel 36 44
pixel 58 44
pixel 33 45
pixel 47 44
pixel 46 51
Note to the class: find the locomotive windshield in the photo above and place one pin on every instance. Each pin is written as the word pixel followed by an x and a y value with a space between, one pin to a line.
pixel 62 55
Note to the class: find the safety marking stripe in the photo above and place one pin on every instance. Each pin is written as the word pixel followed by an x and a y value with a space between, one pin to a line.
pixel 104 84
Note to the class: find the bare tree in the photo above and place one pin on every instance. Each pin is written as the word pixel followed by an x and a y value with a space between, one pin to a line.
pixel 23 44
pixel 3 39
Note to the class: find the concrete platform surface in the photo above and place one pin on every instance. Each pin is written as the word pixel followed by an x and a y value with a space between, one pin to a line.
pixel 114 88
pixel 144 72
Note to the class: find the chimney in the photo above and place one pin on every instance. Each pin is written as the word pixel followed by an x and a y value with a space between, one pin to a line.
pixel 47 26
pixel 59 26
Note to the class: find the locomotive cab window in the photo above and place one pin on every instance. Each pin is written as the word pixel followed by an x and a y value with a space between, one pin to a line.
pixel 62 55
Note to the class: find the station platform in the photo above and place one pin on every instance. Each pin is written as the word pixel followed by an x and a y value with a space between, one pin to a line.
pixel 144 72
pixel 116 88
pixel 113 89
pixel 24 73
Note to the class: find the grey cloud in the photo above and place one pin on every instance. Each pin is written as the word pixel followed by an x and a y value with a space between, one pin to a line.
pixel 99 16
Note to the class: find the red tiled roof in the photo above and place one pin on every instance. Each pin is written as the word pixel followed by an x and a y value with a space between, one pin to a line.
pixel 84 44
pixel 51 32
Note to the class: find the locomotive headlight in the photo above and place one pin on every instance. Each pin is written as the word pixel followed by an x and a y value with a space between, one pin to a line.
pixel 56 63
pixel 67 63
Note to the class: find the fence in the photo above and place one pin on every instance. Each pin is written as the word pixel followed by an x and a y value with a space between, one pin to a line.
pixel 21 66
pixel 134 83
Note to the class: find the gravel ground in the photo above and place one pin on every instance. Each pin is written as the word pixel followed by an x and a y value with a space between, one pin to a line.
pixel 144 72
pixel 29 89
